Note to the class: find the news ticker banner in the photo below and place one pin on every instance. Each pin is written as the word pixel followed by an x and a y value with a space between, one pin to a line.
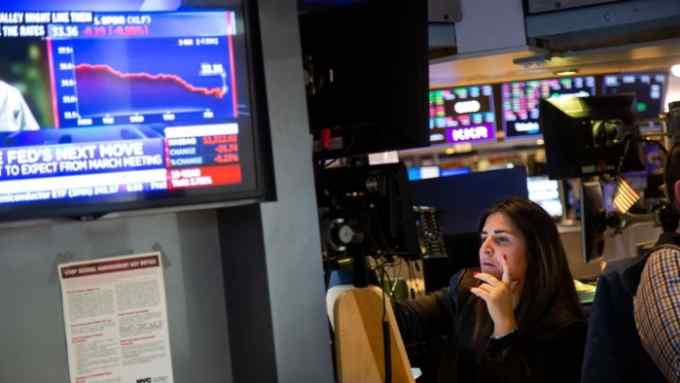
pixel 70 25
pixel 187 157
pixel 99 5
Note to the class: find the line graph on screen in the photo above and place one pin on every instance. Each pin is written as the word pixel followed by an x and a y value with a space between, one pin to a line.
pixel 85 70
pixel 113 81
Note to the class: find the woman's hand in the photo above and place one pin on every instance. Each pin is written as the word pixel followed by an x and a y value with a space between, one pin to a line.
pixel 500 300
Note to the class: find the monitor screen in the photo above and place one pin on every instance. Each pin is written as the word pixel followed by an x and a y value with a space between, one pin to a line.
pixel 648 88
pixel 105 109
pixel 461 200
pixel 423 173
pixel 546 192
pixel 462 114
pixel 520 100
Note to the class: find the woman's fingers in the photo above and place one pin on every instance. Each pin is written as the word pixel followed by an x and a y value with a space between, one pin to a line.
pixel 485 287
pixel 506 273
pixel 488 278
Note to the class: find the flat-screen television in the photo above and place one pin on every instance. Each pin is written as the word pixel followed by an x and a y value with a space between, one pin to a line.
pixel 520 100
pixel 462 114
pixel 649 89
pixel 117 105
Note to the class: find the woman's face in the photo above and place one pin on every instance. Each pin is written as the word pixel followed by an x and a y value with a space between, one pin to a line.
pixel 501 238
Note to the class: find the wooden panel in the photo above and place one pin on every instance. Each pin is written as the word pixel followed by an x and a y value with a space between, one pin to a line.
pixel 359 339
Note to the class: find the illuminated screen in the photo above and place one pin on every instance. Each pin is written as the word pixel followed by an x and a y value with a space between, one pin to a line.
pixel 422 173
pixel 463 114
pixel 109 110
pixel 520 101
pixel 649 90
pixel 546 192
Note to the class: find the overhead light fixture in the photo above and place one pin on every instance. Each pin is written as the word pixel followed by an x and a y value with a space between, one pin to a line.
pixel 675 70
pixel 566 72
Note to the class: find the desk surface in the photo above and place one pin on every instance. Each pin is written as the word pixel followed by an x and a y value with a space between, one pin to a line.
pixel 585 291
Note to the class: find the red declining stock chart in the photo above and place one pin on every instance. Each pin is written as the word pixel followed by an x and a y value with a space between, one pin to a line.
pixel 87 69
pixel 143 81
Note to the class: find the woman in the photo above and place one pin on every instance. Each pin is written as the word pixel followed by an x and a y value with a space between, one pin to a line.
pixel 518 320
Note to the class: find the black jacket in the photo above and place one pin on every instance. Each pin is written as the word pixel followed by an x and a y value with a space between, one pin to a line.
pixel 432 324
pixel 613 349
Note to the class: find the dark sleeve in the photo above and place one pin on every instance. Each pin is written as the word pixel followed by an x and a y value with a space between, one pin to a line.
pixel 603 354
pixel 557 359
pixel 425 318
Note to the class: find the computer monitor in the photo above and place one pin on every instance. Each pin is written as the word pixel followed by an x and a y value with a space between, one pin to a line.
pixel 547 193
pixel 593 219
pixel 461 200
pixel 520 101
pixel 462 114
pixel 649 89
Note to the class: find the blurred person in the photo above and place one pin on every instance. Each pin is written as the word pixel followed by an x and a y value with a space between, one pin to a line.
pixel 15 114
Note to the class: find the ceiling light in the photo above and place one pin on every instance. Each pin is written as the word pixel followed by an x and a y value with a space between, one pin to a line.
pixel 675 69
pixel 567 72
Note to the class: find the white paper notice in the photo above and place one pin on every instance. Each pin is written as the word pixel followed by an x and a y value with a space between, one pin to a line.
pixel 116 320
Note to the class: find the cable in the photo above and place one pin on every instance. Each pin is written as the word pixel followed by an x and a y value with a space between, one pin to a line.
pixel 626 147
pixel 411 278
pixel 387 350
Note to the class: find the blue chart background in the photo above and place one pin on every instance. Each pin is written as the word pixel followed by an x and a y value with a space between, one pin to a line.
pixel 101 93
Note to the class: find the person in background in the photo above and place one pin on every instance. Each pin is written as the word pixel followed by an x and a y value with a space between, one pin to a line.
pixel 518 320
pixel 634 325
pixel 14 112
